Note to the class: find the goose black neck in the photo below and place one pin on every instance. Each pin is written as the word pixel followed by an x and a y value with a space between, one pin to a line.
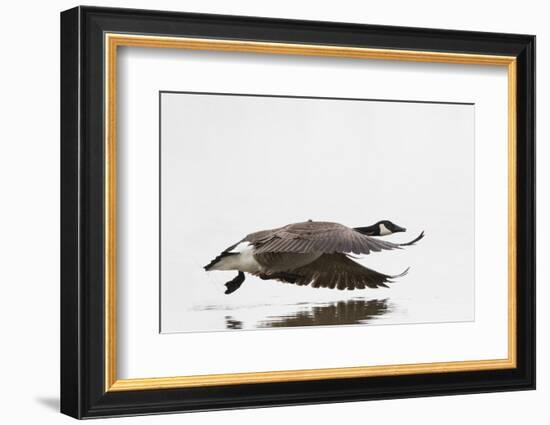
pixel 368 230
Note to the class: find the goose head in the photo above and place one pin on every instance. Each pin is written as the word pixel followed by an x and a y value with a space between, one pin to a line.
pixel 382 228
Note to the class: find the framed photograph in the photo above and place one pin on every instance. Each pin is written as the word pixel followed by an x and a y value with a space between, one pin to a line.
pixel 261 212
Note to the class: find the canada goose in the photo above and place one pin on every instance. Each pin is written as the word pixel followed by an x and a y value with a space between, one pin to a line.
pixel 312 253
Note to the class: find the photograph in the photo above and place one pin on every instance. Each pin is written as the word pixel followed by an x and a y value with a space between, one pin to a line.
pixel 286 211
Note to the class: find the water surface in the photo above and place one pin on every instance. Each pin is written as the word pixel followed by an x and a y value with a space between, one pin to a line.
pixel 353 311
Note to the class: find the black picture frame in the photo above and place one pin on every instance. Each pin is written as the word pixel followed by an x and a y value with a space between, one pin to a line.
pixel 83 392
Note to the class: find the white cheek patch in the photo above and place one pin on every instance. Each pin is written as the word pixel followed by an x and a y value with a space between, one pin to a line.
pixel 384 230
pixel 243 246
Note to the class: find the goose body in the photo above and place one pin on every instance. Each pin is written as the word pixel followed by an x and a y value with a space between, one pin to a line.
pixel 314 253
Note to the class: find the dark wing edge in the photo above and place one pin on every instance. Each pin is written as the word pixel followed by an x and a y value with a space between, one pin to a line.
pixel 337 271
pixel 415 240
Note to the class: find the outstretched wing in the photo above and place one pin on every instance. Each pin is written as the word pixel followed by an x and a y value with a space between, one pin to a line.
pixel 317 236
pixel 336 271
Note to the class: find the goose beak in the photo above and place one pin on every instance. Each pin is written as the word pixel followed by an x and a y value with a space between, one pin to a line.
pixel 399 229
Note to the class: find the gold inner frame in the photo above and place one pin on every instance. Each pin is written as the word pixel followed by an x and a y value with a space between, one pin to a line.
pixel 113 41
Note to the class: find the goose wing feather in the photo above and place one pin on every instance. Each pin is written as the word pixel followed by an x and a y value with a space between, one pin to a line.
pixel 337 271
pixel 316 236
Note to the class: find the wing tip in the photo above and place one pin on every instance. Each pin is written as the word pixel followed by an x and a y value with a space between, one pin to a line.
pixel 415 240
pixel 397 276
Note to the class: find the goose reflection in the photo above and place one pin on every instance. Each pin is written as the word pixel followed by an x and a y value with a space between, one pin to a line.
pixel 232 323
pixel 351 312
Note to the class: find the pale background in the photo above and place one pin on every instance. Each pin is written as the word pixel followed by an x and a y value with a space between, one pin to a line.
pixel 31 180
pixel 232 165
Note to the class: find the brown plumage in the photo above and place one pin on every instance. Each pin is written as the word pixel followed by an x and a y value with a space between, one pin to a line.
pixel 311 253
pixel 316 236
pixel 333 271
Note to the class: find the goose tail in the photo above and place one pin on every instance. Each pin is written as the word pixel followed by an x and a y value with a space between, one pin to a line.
pixel 216 261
